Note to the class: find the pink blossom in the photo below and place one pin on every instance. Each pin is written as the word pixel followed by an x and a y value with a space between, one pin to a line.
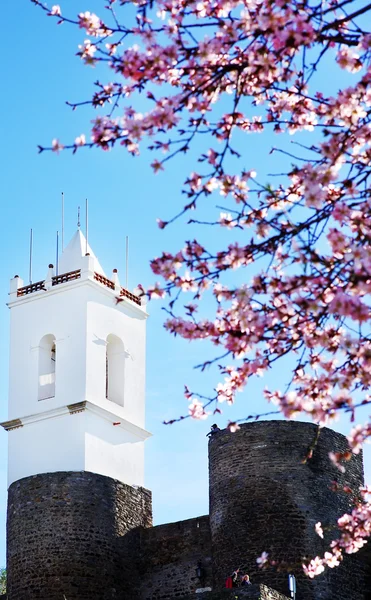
pixel 92 24
pixel 196 410
pixel 262 560
pixel 157 166
pixel 105 132
pixel 87 52
pixel 57 146
pixel 55 10
pixel 156 291
pixel 349 60
pixel 358 436
pixel 319 530
pixel 341 212
pixel 80 140
pixel 344 304
pixel 226 219
pixel 314 568
pixel 332 560
pixel 212 156
pixel 194 181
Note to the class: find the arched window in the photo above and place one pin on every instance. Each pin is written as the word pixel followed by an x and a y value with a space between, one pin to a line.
pixel 47 362
pixel 115 370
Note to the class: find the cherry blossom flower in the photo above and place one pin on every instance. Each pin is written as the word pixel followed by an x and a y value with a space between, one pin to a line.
pixel 157 166
pixel 57 146
pixel 196 410
pixel 92 24
pixel 87 52
pixel 354 528
pixel 315 567
pixel 80 140
pixel 262 560
pixel 55 10
pixel 319 530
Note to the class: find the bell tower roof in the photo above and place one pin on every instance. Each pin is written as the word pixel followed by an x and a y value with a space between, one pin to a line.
pixel 74 252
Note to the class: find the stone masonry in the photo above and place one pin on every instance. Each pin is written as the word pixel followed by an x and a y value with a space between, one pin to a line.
pixel 265 496
pixel 170 555
pixel 63 531
pixel 80 536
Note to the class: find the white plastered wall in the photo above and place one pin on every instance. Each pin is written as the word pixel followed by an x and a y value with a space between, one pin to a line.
pixel 110 451
pixel 63 315
pixel 130 327
pixel 75 442
pixel 80 315
pixel 46 446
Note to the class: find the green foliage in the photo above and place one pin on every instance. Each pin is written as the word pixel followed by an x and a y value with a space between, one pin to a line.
pixel 2 580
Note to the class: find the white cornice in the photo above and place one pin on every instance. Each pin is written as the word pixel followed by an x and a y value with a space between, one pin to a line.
pixel 122 423
pixel 71 409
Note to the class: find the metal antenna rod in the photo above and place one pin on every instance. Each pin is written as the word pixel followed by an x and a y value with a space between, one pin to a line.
pixel 78 217
pixel 30 268
pixel 57 257
pixel 62 221
pixel 87 223
pixel 127 261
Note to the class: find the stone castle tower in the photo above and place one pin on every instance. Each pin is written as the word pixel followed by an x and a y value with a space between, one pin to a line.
pixel 79 523
pixel 265 496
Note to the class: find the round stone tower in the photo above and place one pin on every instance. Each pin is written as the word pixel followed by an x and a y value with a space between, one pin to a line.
pixel 265 497
pixel 67 536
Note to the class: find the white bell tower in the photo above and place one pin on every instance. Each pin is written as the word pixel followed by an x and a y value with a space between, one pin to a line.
pixel 77 372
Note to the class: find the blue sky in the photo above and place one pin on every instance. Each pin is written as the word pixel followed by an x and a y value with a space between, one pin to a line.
pixel 39 74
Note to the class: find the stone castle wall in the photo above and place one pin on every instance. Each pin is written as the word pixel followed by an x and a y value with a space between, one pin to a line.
pixel 264 496
pixel 170 555
pixel 63 531
pixel 89 537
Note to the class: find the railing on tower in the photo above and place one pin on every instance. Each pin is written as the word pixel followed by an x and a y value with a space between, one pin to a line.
pixel 56 280
pixel 126 294
pixel 70 276
pixel 32 287
pixel 102 279
pixel 111 285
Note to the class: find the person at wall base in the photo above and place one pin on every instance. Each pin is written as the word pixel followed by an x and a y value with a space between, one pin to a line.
pixel 235 578
pixel 245 580
pixel 232 580
pixel 229 582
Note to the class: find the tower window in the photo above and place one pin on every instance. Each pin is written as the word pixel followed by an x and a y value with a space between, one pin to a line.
pixel 47 364
pixel 115 370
